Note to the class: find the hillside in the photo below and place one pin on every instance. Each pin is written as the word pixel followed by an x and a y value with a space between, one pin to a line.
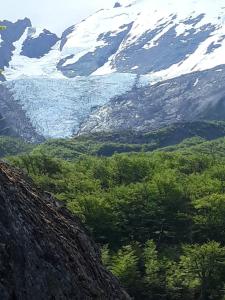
pixel 188 98
pixel 162 212
pixel 106 144
pixel 45 253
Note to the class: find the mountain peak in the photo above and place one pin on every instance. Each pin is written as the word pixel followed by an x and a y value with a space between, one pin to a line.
pixel 117 4
pixel 164 39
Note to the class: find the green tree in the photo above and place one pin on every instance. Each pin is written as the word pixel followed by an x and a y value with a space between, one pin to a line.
pixel 128 170
pixel 124 265
pixel 209 218
pixel 152 264
pixel 204 266
pixel 155 272
pixel 202 185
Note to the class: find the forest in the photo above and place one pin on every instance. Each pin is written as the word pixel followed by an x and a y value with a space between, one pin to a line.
pixel 154 203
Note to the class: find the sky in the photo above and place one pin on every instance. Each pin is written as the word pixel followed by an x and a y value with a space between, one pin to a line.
pixel 55 15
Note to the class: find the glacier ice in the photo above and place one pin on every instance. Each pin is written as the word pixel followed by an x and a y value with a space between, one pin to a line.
pixel 56 107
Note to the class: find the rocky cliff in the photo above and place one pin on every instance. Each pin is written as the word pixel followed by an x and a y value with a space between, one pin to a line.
pixel 188 98
pixel 44 251
pixel 13 118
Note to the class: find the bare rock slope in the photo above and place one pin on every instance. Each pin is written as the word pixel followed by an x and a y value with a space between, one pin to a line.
pixel 188 98
pixel 44 252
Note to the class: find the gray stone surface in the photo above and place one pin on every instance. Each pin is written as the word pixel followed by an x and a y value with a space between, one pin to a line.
pixel 14 119
pixel 196 96
pixel 92 61
pixel 39 46
pixel 169 49
pixel 11 34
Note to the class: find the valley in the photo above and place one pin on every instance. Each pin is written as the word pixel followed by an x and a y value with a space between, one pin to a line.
pixel 112 154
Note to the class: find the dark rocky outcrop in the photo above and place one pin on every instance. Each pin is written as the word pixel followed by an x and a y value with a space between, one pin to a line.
pixel 117 4
pixel 11 34
pixel 39 46
pixel 13 119
pixel 44 251
pixel 92 61
pixel 170 48
pixel 5 129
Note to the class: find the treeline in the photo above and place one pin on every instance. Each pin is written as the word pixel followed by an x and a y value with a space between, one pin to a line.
pixel 107 144
pixel 159 217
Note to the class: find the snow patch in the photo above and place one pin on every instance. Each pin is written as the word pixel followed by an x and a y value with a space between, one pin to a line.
pixel 196 82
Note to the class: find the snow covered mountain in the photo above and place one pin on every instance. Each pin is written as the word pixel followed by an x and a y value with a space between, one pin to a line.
pixel 114 51
pixel 24 50
pixel 166 38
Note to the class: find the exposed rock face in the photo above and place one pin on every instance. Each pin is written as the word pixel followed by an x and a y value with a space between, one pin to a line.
pixel 5 129
pixel 92 61
pixel 11 34
pixel 36 47
pixel 13 119
pixel 44 252
pixel 188 98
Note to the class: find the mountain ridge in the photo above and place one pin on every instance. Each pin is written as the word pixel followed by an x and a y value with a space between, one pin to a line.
pixel 64 85
pixel 175 39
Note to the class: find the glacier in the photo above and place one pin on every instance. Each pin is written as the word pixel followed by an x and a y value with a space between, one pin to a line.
pixel 57 107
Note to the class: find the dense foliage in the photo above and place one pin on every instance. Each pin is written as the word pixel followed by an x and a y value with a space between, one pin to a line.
pixel 13 146
pixel 159 216
pixel 107 144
